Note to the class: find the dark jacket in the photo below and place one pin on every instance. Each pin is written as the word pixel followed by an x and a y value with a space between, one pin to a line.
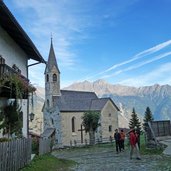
pixel 117 136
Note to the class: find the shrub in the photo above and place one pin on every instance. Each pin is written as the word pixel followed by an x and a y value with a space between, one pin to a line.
pixel 4 139
pixel 35 146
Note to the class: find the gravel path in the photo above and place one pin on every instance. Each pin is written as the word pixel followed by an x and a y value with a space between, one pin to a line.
pixel 106 159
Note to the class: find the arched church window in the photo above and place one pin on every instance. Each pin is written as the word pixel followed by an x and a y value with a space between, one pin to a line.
pixel 54 77
pixel 110 128
pixel 47 78
pixel 47 103
pixel 73 124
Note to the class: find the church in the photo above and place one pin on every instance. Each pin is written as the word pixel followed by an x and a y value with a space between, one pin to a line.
pixel 63 109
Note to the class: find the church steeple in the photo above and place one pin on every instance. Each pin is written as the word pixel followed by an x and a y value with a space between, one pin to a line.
pixel 52 79
pixel 52 58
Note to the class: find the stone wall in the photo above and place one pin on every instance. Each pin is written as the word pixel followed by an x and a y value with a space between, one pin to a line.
pixel 109 117
pixel 67 135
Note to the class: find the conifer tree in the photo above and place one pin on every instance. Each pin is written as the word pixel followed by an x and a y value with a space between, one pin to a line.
pixel 134 121
pixel 148 115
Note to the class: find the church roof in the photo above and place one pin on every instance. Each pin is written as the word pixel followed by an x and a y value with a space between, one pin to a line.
pixel 100 103
pixel 52 59
pixel 70 101
pixel 16 32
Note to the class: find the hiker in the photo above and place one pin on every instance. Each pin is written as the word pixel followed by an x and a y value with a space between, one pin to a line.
pixel 122 140
pixel 117 138
pixel 134 144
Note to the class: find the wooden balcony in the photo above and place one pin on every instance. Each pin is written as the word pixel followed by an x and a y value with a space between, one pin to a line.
pixel 5 90
pixel 6 70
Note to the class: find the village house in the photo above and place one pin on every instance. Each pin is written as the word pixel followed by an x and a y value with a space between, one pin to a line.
pixel 16 48
pixel 63 110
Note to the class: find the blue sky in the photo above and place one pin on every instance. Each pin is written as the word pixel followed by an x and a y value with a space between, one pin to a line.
pixel 121 41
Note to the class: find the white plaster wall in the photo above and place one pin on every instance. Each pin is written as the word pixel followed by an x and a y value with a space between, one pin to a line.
pixel 23 104
pixel 12 53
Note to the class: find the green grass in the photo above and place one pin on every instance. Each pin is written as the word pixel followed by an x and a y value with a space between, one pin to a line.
pixel 164 163
pixel 149 151
pixel 49 163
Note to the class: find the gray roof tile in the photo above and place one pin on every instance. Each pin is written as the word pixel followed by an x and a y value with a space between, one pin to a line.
pixel 52 59
pixel 80 101
pixel 47 133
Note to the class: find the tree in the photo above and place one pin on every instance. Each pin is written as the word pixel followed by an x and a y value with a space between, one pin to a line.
pixel 91 123
pixel 12 119
pixel 148 115
pixel 134 121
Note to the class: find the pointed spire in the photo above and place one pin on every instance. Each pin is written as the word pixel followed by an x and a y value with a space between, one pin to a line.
pixel 51 38
pixel 52 58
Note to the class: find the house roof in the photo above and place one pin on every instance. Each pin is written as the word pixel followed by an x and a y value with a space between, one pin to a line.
pixel 70 101
pixel 48 133
pixel 16 32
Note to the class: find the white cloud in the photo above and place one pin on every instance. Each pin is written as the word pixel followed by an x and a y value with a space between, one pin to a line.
pixel 134 58
pixel 156 76
pixel 156 58
pixel 140 55
pixel 68 21
pixel 57 18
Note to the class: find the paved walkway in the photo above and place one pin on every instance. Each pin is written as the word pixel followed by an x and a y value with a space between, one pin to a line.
pixel 167 150
pixel 167 141
pixel 106 159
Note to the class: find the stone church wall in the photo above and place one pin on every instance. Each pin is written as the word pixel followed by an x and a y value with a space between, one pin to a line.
pixel 109 117
pixel 67 134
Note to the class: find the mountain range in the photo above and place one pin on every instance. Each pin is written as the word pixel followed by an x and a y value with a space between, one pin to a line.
pixel 157 97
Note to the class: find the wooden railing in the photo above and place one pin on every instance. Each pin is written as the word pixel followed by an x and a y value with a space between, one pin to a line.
pixel 15 154
pixel 6 70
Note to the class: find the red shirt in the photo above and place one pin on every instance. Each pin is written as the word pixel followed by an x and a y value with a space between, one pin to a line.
pixel 132 138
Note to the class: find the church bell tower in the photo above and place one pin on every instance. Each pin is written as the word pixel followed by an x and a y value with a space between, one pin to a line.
pixel 52 79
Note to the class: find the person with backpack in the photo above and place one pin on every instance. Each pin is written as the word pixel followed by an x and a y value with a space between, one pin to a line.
pixel 117 138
